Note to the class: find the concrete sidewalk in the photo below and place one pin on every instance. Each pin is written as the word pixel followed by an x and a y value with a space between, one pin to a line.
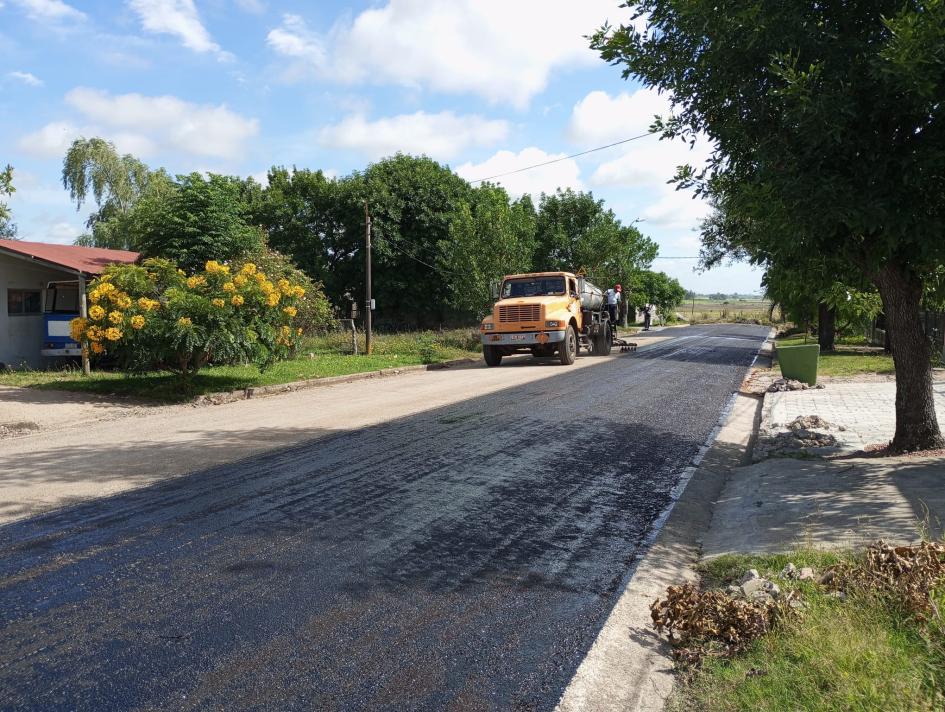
pixel 803 501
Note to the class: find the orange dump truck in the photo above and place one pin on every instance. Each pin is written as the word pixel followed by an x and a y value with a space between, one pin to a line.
pixel 546 313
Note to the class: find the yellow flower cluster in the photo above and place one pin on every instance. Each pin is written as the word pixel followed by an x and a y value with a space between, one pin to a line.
pixel 248 268
pixel 148 305
pixel 240 280
pixel 77 328
pixel 97 348
pixel 137 322
pixel 113 334
pixel 95 333
pixel 237 300
pixel 214 267
pixel 290 311
pixel 116 317
pixel 229 287
pixel 96 313
pixel 218 303
pixel 184 321
pixel 196 281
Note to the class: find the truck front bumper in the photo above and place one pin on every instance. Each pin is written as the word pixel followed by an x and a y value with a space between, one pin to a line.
pixel 527 338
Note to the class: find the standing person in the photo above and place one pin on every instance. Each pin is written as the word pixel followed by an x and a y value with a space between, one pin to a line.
pixel 647 315
pixel 613 304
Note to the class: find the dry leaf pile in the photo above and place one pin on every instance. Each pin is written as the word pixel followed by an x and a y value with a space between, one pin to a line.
pixel 909 574
pixel 700 623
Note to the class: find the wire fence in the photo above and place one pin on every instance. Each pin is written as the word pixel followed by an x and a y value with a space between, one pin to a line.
pixel 933 324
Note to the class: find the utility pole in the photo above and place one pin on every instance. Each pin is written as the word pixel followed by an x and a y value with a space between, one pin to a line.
pixel 368 302
pixel 84 313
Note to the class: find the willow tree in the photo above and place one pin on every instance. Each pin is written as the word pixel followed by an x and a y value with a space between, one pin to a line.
pixel 93 169
pixel 827 120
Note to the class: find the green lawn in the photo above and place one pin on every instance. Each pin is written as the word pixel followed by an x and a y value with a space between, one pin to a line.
pixel 857 654
pixel 850 359
pixel 330 356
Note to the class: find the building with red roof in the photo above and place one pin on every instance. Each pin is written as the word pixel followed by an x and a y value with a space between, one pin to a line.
pixel 42 287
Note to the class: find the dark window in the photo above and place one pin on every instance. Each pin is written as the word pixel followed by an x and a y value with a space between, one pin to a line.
pixel 533 287
pixel 62 300
pixel 24 301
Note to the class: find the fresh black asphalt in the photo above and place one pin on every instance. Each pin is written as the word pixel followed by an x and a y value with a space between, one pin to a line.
pixel 463 558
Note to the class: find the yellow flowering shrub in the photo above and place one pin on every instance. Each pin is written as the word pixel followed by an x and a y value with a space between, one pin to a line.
pixel 153 315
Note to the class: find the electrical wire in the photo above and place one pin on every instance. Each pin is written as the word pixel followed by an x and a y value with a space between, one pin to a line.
pixel 564 158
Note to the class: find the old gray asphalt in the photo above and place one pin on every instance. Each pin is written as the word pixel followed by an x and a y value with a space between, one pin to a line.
pixel 461 558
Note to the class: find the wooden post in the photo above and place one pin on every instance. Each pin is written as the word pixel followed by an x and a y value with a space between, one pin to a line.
pixel 84 313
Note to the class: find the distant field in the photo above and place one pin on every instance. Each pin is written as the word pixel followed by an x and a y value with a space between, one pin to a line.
pixel 710 310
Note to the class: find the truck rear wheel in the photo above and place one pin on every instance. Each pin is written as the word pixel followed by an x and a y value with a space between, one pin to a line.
pixel 603 342
pixel 567 352
pixel 492 355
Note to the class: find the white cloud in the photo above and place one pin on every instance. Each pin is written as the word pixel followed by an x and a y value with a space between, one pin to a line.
pixel 503 51
pixel 50 10
pixel 546 179
pixel 441 136
pixel 600 118
pixel 676 210
pixel 51 141
pixel 145 126
pixel 26 78
pixel 180 19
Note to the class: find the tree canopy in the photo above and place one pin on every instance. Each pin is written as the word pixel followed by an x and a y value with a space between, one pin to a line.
pixel 827 122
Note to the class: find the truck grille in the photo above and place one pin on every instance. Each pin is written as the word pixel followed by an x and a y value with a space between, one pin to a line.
pixel 519 312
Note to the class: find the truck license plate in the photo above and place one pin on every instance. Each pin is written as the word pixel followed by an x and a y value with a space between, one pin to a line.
pixel 517 337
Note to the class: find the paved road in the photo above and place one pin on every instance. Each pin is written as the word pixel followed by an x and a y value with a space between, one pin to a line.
pixel 461 557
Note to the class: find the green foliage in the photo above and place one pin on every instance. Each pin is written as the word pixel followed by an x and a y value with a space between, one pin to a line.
pixel 826 122
pixel 199 219
pixel 576 231
pixel 154 316
pixel 93 169
pixel 7 228
pixel 489 238
pixel 658 289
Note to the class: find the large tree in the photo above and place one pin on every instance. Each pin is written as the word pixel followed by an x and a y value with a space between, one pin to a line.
pixel 576 231
pixel 827 118
pixel 199 218
pixel 489 237
pixel 93 169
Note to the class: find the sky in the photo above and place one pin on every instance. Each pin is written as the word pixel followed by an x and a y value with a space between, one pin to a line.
pixel 237 86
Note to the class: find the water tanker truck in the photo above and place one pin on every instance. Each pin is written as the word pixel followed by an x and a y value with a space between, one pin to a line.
pixel 546 314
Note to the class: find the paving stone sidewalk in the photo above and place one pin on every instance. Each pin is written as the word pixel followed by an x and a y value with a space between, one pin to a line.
pixel 785 503
pixel 866 412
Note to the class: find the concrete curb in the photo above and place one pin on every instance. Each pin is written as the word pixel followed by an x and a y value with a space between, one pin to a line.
pixel 262 391
pixel 630 667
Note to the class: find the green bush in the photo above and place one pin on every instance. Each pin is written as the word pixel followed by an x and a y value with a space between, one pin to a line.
pixel 154 315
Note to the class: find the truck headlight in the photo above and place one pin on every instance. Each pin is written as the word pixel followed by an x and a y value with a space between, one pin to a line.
pixel 488 326
pixel 552 324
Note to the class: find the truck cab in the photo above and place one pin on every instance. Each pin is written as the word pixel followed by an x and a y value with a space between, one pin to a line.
pixel 61 306
pixel 546 314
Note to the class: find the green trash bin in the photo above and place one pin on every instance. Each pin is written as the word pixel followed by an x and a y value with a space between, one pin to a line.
pixel 799 363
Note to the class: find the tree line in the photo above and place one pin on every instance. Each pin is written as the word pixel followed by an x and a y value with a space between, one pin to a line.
pixel 828 127
pixel 439 243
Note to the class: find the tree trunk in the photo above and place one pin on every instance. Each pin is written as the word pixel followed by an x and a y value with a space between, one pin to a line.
pixel 916 424
pixel 826 322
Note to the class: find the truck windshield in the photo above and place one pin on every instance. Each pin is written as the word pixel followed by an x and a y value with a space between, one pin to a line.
pixel 532 287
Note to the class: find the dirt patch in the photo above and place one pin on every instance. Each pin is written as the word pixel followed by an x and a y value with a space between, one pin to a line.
pixel 20 427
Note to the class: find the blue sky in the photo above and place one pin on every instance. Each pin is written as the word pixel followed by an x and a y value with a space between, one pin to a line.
pixel 236 86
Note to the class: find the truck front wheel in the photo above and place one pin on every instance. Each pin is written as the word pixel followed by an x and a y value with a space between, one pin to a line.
pixel 492 355
pixel 567 352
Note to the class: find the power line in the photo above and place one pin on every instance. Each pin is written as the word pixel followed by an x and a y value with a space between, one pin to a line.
pixel 675 257
pixel 564 158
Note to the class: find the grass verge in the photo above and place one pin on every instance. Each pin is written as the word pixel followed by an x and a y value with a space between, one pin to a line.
pixel 320 357
pixel 852 357
pixel 863 652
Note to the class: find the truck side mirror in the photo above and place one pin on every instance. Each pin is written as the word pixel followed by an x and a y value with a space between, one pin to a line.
pixel 494 289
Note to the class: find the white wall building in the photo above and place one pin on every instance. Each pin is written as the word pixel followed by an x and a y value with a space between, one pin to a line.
pixel 26 271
